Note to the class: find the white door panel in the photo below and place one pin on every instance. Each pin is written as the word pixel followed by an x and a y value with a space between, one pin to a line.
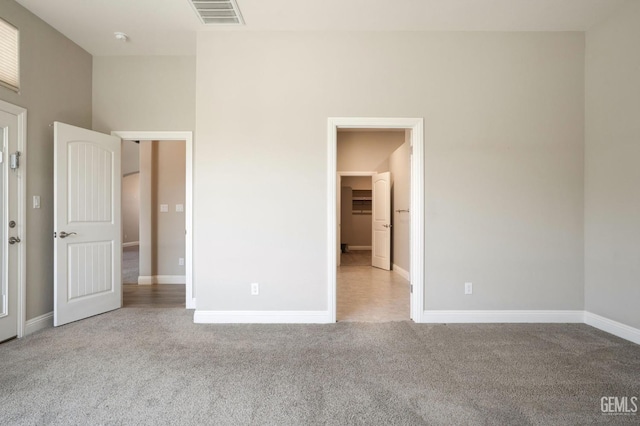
pixel 87 255
pixel 381 218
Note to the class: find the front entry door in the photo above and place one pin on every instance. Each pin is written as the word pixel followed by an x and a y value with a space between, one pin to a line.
pixel 87 223
pixel 381 218
pixel 11 228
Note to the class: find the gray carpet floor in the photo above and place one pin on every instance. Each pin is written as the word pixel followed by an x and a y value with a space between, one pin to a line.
pixel 154 366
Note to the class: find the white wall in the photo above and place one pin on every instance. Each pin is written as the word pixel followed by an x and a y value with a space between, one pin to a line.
pixel 612 175
pixel 55 76
pixel 504 122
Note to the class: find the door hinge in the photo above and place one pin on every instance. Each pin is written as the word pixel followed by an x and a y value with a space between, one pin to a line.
pixel 1 157
pixel 411 150
pixel 411 287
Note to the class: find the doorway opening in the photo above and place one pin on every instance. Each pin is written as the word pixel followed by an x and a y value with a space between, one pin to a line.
pixel 407 212
pixel 374 241
pixel 153 223
pixel 157 219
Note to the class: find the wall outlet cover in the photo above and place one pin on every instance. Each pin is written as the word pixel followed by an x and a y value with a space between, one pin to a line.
pixel 468 288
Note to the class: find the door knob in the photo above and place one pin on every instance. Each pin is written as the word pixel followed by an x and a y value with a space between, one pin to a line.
pixel 66 234
pixel 14 240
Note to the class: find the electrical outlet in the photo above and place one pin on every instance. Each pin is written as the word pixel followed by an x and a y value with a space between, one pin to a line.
pixel 468 288
pixel 255 289
pixel 181 261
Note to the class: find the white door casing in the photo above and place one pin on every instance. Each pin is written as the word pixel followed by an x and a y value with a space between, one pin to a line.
pixel 417 249
pixel 381 221
pixel 12 196
pixel 87 223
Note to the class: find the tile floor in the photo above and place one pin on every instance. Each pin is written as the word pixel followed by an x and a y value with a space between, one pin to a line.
pixel 369 294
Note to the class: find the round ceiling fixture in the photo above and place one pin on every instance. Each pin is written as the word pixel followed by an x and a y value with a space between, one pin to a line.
pixel 121 36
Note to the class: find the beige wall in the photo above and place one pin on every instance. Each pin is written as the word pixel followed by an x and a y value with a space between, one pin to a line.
pixel 504 135
pixel 148 197
pixel 143 93
pixel 346 194
pixel 162 181
pixel 55 86
pixel 131 208
pixel 357 226
pixel 612 174
pixel 366 151
pixel 130 157
pixel 357 182
pixel 400 168
pixel 360 231
pixel 169 185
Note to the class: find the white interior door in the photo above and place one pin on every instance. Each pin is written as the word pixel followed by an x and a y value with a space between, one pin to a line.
pixel 10 228
pixel 381 218
pixel 87 223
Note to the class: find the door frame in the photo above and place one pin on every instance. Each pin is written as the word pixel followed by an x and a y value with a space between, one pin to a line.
pixel 187 136
pixel 21 115
pixel 340 175
pixel 417 222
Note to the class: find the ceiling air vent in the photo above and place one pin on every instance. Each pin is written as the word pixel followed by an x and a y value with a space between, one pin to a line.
pixel 218 12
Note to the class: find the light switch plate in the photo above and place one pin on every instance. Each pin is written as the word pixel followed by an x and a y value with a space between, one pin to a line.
pixel 36 201
pixel 164 208
pixel 179 208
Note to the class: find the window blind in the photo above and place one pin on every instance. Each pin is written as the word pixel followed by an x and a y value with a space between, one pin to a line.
pixel 9 57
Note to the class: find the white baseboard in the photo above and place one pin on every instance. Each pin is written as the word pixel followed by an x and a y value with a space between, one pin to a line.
pixel 261 317
pixel 503 316
pixel 38 323
pixel 402 272
pixel 356 248
pixel 613 327
pixel 161 279
pixel 131 244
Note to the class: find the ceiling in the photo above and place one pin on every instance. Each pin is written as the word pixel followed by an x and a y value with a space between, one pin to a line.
pixel 169 27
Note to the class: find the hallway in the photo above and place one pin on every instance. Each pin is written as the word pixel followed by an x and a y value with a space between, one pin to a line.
pixel 368 294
